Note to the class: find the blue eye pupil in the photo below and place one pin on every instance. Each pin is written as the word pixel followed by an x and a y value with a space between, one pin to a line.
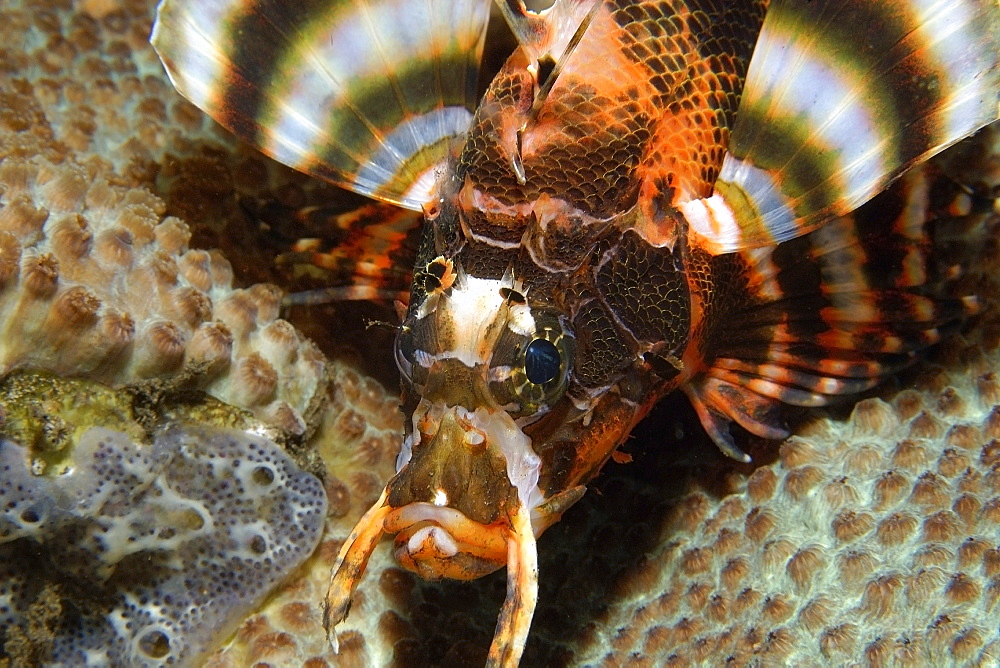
pixel 541 361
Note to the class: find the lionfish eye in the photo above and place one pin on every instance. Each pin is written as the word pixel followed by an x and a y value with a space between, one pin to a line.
pixel 530 370
pixel 541 361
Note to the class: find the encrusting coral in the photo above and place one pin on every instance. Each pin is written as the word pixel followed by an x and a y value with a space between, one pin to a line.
pixel 142 519
pixel 145 552
pixel 870 536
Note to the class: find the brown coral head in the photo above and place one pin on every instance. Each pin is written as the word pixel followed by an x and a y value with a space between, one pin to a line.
pixel 282 415
pixel 190 306
pixel 212 346
pixel 267 298
pixel 114 247
pixel 222 271
pixel 41 275
pixel 256 379
pixel 71 237
pixel 64 188
pixel 117 329
pixel 74 309
pixel 173 235
pixel 195 268
pixel 10 257
pixel 22 218
pixel 161 349
pixel 239 312
pixel 282 341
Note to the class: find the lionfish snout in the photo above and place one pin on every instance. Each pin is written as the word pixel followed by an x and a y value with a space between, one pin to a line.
pixel 451 502
pixel 479 364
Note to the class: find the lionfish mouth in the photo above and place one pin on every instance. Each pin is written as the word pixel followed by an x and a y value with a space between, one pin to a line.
pixel 456 512
pixel 438 541
pixel 441 542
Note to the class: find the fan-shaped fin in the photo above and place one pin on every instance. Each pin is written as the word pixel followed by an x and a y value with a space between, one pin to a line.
pixel 368 94
pixel 831 312
pixel 841 98
pixel 363 254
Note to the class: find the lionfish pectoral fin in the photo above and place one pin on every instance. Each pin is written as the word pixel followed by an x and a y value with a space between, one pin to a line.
pixel 369 255
pixel 830 313
pixel 350 566
pixel 840 99
pixel 367 95
pixel 522 594
pixel 719 404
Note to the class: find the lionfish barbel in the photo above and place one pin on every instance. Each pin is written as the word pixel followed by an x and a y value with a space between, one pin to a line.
pixel 651 195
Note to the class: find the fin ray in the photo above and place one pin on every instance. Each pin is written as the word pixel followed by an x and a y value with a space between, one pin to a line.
pixel 835 311
pixel 368 94
pixel 832 114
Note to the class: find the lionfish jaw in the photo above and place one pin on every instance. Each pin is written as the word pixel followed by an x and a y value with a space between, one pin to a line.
pixel 431 543
pixel 436 532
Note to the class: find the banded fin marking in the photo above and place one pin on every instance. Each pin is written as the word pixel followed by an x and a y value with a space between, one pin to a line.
pixel 840 99
pixel 367 94
pixel 364 254
pixel 829 313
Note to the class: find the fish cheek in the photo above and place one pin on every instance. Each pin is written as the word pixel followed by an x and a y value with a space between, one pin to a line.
pixel 647 289
pixel 573 447
pixel 639 308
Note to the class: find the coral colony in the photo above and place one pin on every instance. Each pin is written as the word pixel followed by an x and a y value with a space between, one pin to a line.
pixel 174 542
pixel 142 530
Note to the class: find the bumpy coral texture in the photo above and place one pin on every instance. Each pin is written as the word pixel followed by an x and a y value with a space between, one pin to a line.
pixel 95 280
pixel 681 556
pixel 872 539
pixel 177 540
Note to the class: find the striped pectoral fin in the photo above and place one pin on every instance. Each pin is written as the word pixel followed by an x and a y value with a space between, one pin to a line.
pixel 841 98
pixel 364 254
pixel 829 313
pixel 368 95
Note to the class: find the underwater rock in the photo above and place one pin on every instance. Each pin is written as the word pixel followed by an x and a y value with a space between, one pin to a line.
pixel 155 551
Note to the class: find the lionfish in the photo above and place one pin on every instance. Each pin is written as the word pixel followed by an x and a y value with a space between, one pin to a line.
pixel 651 195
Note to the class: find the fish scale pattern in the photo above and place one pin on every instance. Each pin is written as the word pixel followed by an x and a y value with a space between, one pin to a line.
pixel 695 56
pixel 641 99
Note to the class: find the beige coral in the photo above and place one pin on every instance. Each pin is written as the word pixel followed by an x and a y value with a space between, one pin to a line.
pixel 870 538
pixel 97 281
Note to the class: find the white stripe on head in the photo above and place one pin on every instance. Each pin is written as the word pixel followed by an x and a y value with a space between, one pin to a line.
pixel 470 311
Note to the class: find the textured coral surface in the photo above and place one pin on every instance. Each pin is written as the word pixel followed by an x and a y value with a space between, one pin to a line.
pixel 871 536
pixel 95 279
pixel 150 551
